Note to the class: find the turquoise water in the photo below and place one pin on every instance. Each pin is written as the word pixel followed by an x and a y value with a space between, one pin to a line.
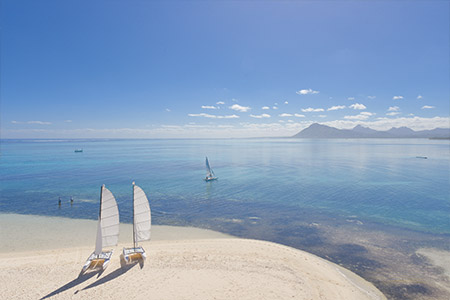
pixel 374 180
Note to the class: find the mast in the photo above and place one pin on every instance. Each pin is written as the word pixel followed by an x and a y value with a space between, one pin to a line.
pixel 134 233
pixel 99 239
pixel 101 196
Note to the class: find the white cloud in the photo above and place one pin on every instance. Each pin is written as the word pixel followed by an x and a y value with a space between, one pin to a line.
pixel 371 97
pixel 322 116
pixel 415 123
pixel 310 109
pixel 240 108
pixel 397 97
pixel 213 116
pixel 220 102
pixel 427 107
pixel 419 97
pixel 234 100
pixel 209 107
pixel 285 115
pixel 358 106
pixel 393 108
pixel 260 116
pixel 39 122
pixel 299 115
pixel 336 107
pixel 257 129
pixel 306 92
pixel 167 109
pixel 276 103
pixel 68 121
pixel 351 98
pixel 285 102
pixel 32 122
pixel 357 117
pixel 274 107
pixel 265 107
pixel 393 113
pixel 366 113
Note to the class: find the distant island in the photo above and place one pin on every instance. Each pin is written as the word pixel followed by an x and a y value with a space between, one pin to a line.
pixel 318 131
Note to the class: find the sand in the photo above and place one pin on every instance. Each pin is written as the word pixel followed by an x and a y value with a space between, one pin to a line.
pixel 183 263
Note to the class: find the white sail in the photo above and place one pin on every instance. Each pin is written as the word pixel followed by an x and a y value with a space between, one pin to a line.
pixel 109 218
pixel 209 171
pixel 98 240
pixel 142 215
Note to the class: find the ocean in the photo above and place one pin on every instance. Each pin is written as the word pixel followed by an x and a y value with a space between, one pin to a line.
pixel 373 206
pixel 375 180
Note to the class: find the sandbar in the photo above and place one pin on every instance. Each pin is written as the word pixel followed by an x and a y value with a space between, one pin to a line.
pixel 182 263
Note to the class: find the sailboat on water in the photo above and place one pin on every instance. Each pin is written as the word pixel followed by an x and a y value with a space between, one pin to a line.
pixel 107 232
pixel 142 222
pixel 209 172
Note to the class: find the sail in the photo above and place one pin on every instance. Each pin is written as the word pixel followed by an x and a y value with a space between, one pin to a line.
pixel 98 240
pixel 109 219
pixel 142 215
pixel 209 171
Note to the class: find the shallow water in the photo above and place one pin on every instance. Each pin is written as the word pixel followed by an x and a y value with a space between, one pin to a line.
pixel 376 180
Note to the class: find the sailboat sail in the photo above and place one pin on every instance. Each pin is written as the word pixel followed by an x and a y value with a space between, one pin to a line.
pixel 108 226
pixel 209 171
pixel 98 240
pixel 142 215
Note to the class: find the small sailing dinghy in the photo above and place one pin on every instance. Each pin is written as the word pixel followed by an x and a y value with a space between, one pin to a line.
pixel 142 222
pixel 107 232
pixel 209 172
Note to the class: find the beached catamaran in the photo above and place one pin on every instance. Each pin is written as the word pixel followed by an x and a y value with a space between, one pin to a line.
pixel 142 222
pixel 107 232
pixel 209 172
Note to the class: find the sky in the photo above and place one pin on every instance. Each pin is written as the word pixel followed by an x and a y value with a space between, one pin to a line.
pixel 219 69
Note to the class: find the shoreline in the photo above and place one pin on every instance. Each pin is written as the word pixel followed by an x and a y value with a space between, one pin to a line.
pixel 83 234
pixel 199 263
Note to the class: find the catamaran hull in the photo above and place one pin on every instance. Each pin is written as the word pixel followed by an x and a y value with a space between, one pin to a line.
pixel 134 254
pixel 210 179
pixel 97 262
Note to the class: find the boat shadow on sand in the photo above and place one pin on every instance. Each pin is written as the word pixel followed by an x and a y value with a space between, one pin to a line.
pixel 84 277
pixel 118 272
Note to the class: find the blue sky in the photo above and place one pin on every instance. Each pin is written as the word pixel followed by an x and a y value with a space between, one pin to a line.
pixel 221 69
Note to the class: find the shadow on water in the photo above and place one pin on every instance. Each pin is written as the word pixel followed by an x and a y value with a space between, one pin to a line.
pixel 80 279
pixel 113 275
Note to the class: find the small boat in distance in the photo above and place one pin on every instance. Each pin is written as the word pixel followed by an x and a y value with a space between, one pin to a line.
pixel 142 222
pixel 107 232
pixel 209 172
pixel 78 150
pixel 423 157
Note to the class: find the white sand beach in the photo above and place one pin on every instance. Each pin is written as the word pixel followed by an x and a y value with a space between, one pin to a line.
pixel 41 257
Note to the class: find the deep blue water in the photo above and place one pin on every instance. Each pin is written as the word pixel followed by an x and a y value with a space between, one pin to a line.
pixel 375 180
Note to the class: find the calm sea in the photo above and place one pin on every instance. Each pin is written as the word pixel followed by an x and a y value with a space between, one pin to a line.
pixel 371 180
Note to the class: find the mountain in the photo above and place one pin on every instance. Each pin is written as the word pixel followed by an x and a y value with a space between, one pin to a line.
pixel 324 132
pixel 318 131
pixel 402 131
